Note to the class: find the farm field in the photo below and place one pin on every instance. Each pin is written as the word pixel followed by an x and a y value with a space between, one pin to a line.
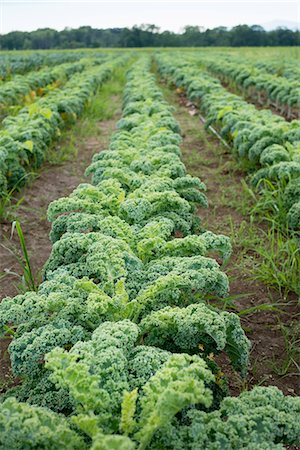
pixel 149 249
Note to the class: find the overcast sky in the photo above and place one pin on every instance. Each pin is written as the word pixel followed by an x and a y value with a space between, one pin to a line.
pixel 29 15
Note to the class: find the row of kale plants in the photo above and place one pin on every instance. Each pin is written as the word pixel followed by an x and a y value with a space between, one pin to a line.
pixel 26 137
pixel 12 63
pixel 15 91
pixel 268 145
pixel 117 348
pixel 266 88
pixel 287 66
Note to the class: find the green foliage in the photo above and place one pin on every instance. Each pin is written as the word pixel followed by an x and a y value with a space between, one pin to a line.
pixel 197 328
pixel 25 138
pixel 29 427
pixel 257 419
pixel 266 143
pixel 97 373
pixel 112 336
pixel 293 216
pixel 180 383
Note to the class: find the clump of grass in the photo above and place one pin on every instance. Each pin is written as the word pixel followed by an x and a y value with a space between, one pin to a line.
pixel 280 261
pixel 59 153
pixel 270 202
pixel 8 204
pixel 268 255
pixel 102 106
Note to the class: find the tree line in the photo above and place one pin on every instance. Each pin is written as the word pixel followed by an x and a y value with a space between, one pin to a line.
pixel 148 36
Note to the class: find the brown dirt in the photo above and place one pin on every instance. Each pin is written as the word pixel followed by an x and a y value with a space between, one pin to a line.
pixel 205 157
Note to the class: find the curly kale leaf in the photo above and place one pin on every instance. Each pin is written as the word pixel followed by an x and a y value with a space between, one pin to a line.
pixel 293 216
pixel 260 419
pixel 144 361
pixel 95 373
pixel 39 390
pixel 178 281
pixel 95 255
pixel 27 352
pixel 197 328
pixel 31 427
pixel 104 199
pixel 180 383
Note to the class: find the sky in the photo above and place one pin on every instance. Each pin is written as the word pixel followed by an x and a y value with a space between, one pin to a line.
pixel 26 15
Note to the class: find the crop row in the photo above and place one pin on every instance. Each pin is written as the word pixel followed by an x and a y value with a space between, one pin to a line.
pixel 281 65
pixel 288 68
pixel 25 138
pixel 266 88
pixel 11 64
pixel 14 92
pixel 120 336
pixel 268 144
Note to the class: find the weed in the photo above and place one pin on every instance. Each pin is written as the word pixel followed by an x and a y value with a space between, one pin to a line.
pixel 8 204
pixel 59 153
pixel 270 204
pixel 280 261
pixel 291 338
pixel 24 262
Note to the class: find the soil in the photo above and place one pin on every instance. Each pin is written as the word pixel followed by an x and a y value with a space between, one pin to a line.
pixel 209 160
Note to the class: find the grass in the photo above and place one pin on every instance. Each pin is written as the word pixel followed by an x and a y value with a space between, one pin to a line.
pixel 280 261
pixel 229 304
pixel 268 255
pixel 26 277
pixel 8 206
pixel 64 151
pixel 268 202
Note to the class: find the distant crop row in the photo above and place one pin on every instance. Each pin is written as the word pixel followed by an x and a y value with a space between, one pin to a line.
pixel 265 142
pixel 15 91
pixel 281 92
pixel 26 137
pixel 11 64
pixel 120 337
pixel 287 67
